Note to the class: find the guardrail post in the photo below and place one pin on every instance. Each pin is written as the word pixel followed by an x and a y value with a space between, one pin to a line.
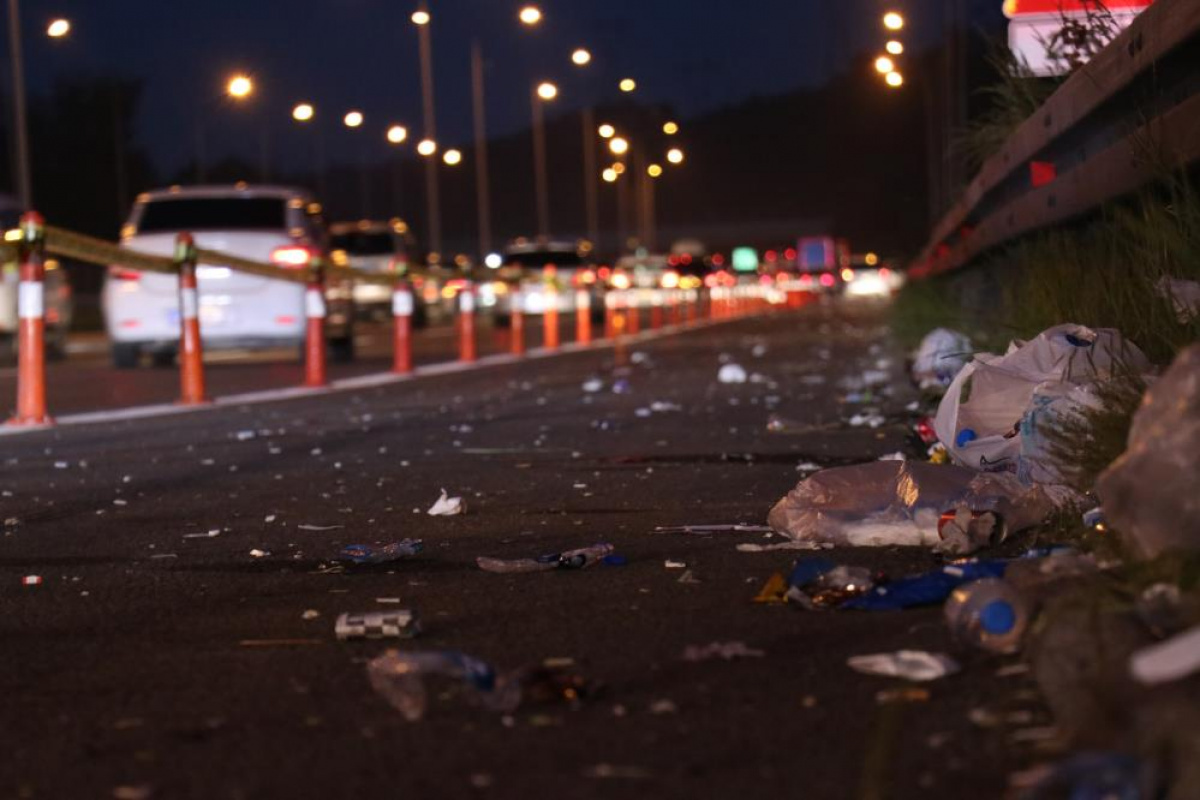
pixel 583 316
pixel 314 332
pixel 31 330
pixel 402 314
pixel 191 347
pixel 517 322
pixel 466 322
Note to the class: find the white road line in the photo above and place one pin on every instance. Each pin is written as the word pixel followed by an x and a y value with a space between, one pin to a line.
pixel 348 384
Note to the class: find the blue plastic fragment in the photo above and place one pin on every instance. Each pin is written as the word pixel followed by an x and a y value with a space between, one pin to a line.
pixel 964 436
pixel 615 560
pixel 926 589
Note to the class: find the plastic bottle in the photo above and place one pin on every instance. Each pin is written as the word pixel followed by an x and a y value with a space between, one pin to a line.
pixel 570 559
pixel 400 678
pixel 989 614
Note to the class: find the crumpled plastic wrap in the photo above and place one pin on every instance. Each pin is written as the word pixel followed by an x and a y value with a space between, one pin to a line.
pixel 900 502
pixel 1151 493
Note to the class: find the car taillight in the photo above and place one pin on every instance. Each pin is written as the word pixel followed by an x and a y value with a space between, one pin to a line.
pixel 122 274
pixel 670 280
pixel 827 279
pixel 711 280
pixel 291 256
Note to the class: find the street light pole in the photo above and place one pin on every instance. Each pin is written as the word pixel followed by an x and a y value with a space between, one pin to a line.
pixel 539 166
pixel 591 210
pixel 24 182
pixel 482 191
pixel 433 206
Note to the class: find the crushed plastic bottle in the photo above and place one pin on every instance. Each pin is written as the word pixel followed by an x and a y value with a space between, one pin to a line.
pixel 989 614
pixel 400 677
pixel 397 624
pixel 365 554
pixel 571 559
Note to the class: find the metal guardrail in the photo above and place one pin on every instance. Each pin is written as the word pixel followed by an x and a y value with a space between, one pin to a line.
pixel 1120 121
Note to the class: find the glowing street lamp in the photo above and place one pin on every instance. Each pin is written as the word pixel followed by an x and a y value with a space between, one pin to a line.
pixel 547 90
pixel 530 15
pixel 58 28
pixel 239 87
pixel 894 79
pixel 894 47
pixel 893 21
pixel 397 134
pixel 353 119
pixel 452 158
pixel 654 170
pixel 618 168
pixel 675 155
pixel 420 17
pixel 606 131
pixel 581 57
pixel 884 65
pixel 618 146
pixel 871 259
pixel 627 84
pixel 426 147
pixel 303 112
pixel 670 128
pixel 609 175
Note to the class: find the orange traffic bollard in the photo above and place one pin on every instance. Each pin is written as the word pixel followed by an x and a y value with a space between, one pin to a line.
pixel 517 322
pixel 693 309
pixel 314 332
pixel 466 322
pixel 633 312
pixel 402 314
pixel 583 316
pixel 31 331
pixel 550 320
pixel 656 315
pixel 191 348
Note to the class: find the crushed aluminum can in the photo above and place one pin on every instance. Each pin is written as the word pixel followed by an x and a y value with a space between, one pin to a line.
pixel 397 624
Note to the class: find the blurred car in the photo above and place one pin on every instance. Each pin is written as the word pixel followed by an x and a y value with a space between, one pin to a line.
pixel 376 248
pixel 548 274
pixel 58 298
pixel 872 282
pixel 272 224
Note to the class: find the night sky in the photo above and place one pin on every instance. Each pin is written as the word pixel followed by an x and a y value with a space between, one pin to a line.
pixel 695 55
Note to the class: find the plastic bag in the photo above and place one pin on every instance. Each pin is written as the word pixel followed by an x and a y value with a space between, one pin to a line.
pixel 899 503
pixel 979 419
pixel 1150 494
pixel 942 354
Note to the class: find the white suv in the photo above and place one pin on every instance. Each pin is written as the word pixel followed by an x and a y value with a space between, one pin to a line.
pixel 271 224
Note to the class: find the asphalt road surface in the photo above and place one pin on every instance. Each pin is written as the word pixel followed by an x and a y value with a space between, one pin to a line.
pixel 149 662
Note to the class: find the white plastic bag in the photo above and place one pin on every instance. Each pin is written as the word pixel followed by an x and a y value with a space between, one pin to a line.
pixel 942 354
pixel 979 418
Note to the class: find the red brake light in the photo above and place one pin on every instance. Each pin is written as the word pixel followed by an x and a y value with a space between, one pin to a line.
pixel 884 272
pixel 827 279
pixel 806 279
pixel 685 259
pixel 718 259
pixel 770 256
pixel 291 256
pixel 122 274
pixel 604 273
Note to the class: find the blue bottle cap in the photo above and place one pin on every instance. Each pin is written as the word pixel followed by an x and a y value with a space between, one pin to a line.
pixel 964 436
pixel 998 617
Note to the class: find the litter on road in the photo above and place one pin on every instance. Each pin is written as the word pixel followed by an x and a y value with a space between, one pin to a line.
pixel 913 665
pixel 570 560
pixel 365 554
pixel 396 624
pixel 446 506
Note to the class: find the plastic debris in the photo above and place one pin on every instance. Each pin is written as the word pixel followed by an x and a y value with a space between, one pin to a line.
pixel 1160 607
pixel 688 577
pixel 366 554
pixel 1167 661
pixel 1008 402
pixel 896 456
pixel 395 624
pixel 211 534
pixel 751 547
pixel 900 503
pixel 592 385
pixel 1093 776
pixel 256 553
pixel 726 651
pixel 928 588
pixel 446 506
pixel 913 665
pixel 989 614
pixel 1149 493
pixel 903 694
pixel 569 559
pixel 319 528
pixel 732 373
pixel 31 580
pixel 672 564
pixel 818 583
pixel 868 419
pixel 940 357
pixel 400 678
pixel 774 590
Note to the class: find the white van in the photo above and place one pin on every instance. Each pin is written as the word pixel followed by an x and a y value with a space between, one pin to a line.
pixel 270 224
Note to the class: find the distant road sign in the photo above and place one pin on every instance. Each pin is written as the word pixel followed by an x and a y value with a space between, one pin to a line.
pixel 1034 22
